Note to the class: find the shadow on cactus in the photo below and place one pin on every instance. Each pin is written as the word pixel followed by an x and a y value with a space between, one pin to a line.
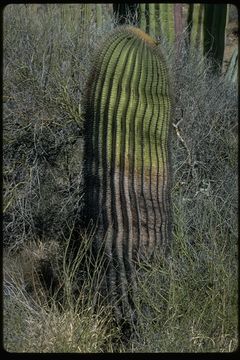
pixel 126 158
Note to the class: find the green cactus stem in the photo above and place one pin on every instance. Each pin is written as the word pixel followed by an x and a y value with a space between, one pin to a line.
pixel 126 155
pixel 232 69
pixel 99 15
pixel 86 11
pixel 142 17
pixel 167 21
pixel 195 25
pixel 152 20
pixel 215 18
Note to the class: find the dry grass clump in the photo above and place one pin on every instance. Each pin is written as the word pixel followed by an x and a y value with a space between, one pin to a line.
pixel 67 319
pixel 187 302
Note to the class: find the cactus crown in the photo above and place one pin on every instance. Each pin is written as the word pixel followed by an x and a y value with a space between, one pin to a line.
pixel 142 35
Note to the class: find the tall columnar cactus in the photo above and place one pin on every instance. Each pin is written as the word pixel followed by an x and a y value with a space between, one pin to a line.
pixel 215 18
pixel 126 156
pixel 206 27
pixel 232 69
pixel 167 21
pixel 86 11
pixel 99 15
pixel 149 19
pixel 195 25
pixel 155 19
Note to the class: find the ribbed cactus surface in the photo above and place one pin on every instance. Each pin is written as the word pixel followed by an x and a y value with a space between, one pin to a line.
pixel 215 19
pixel 195 25
pixel 126 167
pixel 232 69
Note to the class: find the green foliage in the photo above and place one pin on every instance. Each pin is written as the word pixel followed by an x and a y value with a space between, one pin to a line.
pixel 126 154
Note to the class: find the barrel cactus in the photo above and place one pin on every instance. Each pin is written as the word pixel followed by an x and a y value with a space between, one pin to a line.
pixel 126 156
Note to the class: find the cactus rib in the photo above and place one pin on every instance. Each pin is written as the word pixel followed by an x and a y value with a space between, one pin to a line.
pixel 126 168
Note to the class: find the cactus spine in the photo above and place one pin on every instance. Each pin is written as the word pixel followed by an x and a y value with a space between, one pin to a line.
pixel 126 168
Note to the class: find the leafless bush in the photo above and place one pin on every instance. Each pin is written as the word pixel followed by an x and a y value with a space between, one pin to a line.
pixel 47 56
pixel 46 59
pixel 204 143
